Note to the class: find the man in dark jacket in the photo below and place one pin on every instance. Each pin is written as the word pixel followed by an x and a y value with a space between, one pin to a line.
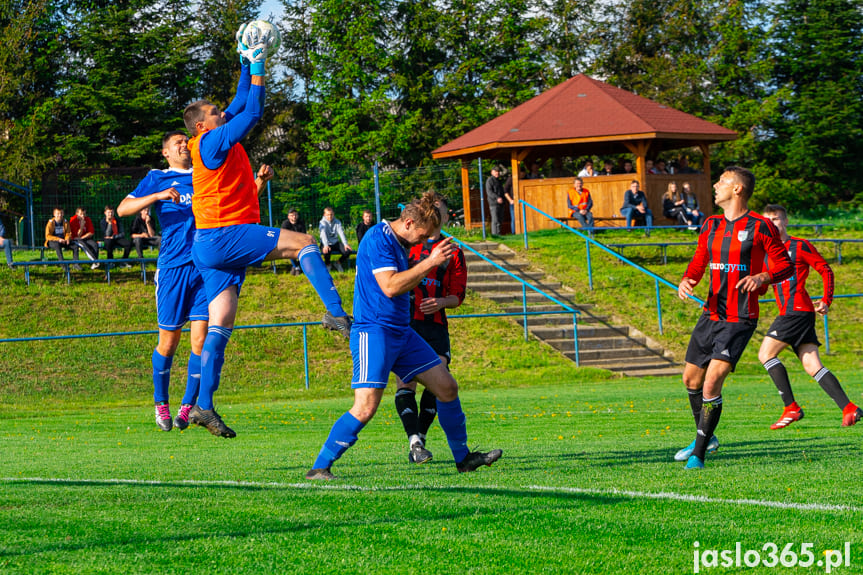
pixel 635 207
pixel 295 224
pixel 113 234
pixel 496 203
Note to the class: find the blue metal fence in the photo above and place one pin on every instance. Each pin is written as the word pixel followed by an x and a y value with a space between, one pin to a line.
pixel 590 241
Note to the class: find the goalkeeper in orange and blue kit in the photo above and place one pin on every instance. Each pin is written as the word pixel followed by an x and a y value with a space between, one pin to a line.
pixel 229 236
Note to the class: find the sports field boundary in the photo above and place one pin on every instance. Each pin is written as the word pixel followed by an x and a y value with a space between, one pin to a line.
pixel 558 490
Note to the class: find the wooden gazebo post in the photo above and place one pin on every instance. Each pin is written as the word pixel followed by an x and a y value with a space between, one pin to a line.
pixel 465 192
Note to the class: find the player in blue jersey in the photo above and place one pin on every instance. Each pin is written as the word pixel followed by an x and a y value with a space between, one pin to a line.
pixel 180 293
pixel 382 340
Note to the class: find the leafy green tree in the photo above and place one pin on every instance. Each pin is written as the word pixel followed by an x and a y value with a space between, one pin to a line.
pixel 816 126
pixel 659 49
pixel 30 55
pixel 570 37
pixel 125 81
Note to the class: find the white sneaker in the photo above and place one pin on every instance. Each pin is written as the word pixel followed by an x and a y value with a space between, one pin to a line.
pixel 94 266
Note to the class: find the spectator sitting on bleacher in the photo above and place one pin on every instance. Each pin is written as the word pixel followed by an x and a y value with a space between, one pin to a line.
pixel 635 207
pixel 580 203
pixel 658 167
pixel 683 166
pixel 364 226
pixel 627 167
pixel 673 206
pixel 113 235
pixel 58 236
pixel 587 171
pixel 690 201
pixel 607 168
pixel 6 243
pixel 333 239
pixel 294 223
pixel 84 236
pixel 143 232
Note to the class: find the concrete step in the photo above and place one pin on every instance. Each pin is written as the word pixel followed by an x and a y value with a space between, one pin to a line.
pixel 478 266
pixel 540 320
pixel 510 297
pixel 621 357
pixel 510 286
pixel 550 307
pixel 584 332
pixel 606 343
pixel 634 364
pixel 484 246
pixel 495 255
pixel 534 277
pixel 657 372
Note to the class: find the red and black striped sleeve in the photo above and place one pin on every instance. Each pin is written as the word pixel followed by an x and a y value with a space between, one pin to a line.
pixel 781 266
pixel 455 280
pixel 695 269
pixel 811 256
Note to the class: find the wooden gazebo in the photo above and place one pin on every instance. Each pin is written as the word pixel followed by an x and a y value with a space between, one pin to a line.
pixel 586 117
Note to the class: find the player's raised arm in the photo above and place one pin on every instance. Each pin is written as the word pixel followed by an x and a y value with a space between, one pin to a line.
pixel 695 270
pixel 394 283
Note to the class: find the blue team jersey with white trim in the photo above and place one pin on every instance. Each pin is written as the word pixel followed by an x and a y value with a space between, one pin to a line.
pixel 176 220
pixel 379 251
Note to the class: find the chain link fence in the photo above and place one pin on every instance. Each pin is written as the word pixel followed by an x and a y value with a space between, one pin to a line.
pixel 348 192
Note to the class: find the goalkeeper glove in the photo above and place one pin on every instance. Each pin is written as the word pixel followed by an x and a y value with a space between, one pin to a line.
pixel 241 48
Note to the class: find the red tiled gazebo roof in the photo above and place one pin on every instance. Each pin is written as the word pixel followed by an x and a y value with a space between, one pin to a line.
pixel 583 115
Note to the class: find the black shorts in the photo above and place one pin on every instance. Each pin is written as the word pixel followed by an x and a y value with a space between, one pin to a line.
pixel 721 340
pixel 795 329
pixel 436 335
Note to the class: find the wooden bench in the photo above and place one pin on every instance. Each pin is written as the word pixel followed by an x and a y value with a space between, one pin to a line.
pixel 67 263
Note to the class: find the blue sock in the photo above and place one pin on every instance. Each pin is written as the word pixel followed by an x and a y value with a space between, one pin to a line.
pixel 193 379
pixel 161 376
pixel 343 434
pixel 452 421
pixel 212 360
pixel 314 268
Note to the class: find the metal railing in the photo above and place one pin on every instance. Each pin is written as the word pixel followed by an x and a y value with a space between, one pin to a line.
pixel 524 285
pixel 590 241
pixel 825 318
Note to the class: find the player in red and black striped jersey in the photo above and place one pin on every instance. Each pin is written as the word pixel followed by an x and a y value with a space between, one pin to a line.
pixel 795 326
pixel 443 288
pixel 733 248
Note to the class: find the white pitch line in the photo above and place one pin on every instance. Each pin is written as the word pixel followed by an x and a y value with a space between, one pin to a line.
pixel 700 498
pixel 666 495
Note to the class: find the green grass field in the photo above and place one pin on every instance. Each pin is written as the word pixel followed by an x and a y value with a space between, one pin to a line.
pixel 586 485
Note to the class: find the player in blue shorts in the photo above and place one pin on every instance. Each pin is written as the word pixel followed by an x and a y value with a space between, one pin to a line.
pixel 229 236
pixel 179 289
pixel 382 340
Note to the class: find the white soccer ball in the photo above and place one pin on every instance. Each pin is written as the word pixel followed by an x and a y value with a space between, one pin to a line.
pixel 262 32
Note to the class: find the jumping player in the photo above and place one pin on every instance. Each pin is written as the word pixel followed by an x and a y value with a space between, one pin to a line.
pixel 795 326
pixel 227 215
pixel 443 288
pixel 733 246
pixel 382 340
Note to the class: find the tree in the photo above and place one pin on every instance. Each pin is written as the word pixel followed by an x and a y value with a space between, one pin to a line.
pixel 124 83
pixel 30 55
pixel 817 119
